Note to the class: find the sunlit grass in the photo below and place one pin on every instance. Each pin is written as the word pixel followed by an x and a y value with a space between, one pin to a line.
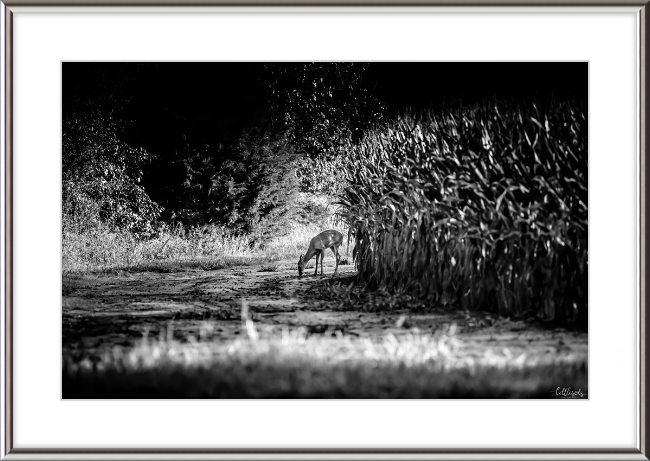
pixel 101 250
pixel 296 365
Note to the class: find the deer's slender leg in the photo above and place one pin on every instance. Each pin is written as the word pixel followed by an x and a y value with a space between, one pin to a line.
pixel 338 260
pixel 316 271
pixel 322 256
pixel 335 250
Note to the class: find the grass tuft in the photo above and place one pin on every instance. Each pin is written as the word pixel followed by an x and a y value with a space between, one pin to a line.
pixel 296 365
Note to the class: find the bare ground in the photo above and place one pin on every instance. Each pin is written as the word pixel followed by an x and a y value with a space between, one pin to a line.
pixel 102 312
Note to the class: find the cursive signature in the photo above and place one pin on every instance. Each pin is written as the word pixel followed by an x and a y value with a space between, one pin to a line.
pixel 568 393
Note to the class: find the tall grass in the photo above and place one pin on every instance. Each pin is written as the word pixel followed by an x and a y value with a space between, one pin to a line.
pixel 97 247
pixel 295 365
pixel 483 207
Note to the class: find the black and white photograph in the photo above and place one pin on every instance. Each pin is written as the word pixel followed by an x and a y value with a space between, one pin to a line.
pixel 309 230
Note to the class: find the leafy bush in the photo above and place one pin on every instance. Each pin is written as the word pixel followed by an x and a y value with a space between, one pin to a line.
pixel 256 192
pixel 483 207
pixel 321 176
pixel 101 176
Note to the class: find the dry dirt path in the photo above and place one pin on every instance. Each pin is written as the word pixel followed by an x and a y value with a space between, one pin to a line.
pixel 101 312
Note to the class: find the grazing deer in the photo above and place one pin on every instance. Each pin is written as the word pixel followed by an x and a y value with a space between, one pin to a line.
pixel 327 239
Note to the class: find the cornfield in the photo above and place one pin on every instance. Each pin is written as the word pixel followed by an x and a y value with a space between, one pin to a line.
pixel 482 207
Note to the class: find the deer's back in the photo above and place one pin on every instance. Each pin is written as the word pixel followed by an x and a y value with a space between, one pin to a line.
pixel 327 239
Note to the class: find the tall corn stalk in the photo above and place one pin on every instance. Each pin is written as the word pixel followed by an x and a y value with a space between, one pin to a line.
pixel 484 207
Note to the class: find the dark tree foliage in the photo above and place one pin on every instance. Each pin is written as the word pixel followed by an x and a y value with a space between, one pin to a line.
pixel 142 137
pixel 317 110
pixel 256 191
pixel 324 108
pixel 192 116
pixel 191 173
pixel 116 116
pixel 101 172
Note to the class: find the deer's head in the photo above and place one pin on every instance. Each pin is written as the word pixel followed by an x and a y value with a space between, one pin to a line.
pixel 301 266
